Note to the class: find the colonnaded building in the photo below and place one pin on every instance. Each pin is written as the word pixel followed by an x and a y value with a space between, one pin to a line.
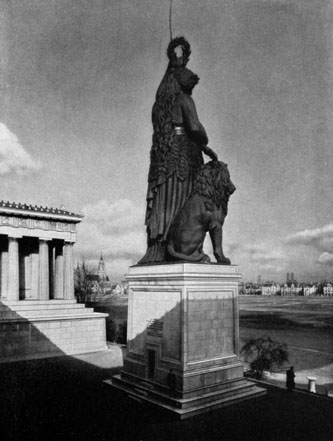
pixel 39 316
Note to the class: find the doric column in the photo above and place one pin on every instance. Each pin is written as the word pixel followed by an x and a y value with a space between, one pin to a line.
pixel 13 269
pixel 59 272
pixel 68 271
pixel 22 274
pixel 4 273
pixel 44 292
pixel 35 273
pixel 51 271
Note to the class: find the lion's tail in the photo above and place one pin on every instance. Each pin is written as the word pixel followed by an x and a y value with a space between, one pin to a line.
pixel 181 256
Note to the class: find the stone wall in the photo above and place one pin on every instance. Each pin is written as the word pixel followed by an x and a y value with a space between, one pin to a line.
pixel 47 329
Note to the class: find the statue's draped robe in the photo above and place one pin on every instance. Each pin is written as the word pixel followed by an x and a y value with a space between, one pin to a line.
pixel 171 176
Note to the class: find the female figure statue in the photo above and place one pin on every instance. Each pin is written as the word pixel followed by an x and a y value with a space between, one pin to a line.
pixel 176 154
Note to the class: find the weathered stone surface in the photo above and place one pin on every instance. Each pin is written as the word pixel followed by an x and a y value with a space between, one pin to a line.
pixel 38 314
pixel 184 317
pixel 38 329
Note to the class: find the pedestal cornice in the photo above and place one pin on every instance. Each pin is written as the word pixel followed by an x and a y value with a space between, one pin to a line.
pixel 183 272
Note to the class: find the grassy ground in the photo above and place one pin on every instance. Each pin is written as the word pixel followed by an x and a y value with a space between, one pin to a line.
pixel 305 325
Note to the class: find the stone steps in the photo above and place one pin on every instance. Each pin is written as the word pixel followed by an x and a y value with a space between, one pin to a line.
pixel 27 305
pixel 47 312
pixel 37 310
pixel 228 388
pixel 187 395
pixel 237 391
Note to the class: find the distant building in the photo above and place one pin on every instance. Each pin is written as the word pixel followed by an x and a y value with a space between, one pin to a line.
pixel 328 290
pixel 120 289
pixel 251 289
pixel 310 290
pixel 103 277
pixel 291 289
pixel 290 278
pixel 102 285
pixel 270 288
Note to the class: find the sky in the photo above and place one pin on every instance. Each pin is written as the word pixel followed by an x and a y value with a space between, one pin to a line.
pixel 77 83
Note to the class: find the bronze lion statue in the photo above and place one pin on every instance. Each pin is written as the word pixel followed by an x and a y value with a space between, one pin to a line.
pixel 205 210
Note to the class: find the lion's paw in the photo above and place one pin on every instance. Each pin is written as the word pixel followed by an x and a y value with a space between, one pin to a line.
pixel 223 260
pixel 205 259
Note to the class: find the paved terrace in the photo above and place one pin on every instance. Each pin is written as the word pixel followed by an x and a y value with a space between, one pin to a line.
pixel 64 398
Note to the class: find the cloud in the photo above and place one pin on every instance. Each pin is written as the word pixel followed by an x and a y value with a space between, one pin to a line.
pixel 265 258
pixel 119 217
pixel 263 254
pixel 319 238
pixel 326 259
pixel 115 229
pixel 13 157
pixel 318 257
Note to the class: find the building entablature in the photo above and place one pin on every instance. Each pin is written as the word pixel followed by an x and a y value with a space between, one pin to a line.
pixel 26 210
pixel 18 220
pixel 36 253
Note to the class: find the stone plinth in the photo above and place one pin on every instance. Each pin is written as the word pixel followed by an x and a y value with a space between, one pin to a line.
pixel 39 329
pixel 184 318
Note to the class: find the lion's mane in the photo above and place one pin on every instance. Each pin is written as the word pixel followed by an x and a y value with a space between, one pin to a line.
pixel 214 185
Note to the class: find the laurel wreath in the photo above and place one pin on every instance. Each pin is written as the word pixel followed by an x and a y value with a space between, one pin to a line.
pixel 186 49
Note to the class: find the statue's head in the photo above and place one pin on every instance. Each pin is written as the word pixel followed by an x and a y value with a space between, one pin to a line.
pixel 179 51
pixel 187 80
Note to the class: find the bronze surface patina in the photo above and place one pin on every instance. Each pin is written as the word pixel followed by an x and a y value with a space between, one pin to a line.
pixel 203 212
pixel 176 169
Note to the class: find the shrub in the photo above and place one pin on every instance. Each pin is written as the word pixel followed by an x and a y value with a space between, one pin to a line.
pixel 121 336
pixel 264 354
pixel 110 330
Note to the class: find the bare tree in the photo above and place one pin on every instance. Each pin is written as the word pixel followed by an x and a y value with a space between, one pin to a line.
pixel 85 282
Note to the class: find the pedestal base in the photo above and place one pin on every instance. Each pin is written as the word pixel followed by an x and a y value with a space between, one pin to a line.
pixel 183 338
pixel 231 392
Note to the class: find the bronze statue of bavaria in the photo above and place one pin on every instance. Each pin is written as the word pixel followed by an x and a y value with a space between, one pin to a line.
pixel 186 198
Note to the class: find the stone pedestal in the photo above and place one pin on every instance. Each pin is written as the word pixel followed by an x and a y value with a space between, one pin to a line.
pixel 183 338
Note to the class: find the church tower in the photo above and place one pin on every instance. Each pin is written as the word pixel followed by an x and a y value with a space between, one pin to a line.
pixel 101 270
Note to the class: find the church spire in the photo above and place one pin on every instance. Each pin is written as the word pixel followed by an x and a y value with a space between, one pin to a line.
pixel 101 269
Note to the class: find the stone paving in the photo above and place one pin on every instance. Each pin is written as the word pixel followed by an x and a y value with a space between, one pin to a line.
pixel 64 398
